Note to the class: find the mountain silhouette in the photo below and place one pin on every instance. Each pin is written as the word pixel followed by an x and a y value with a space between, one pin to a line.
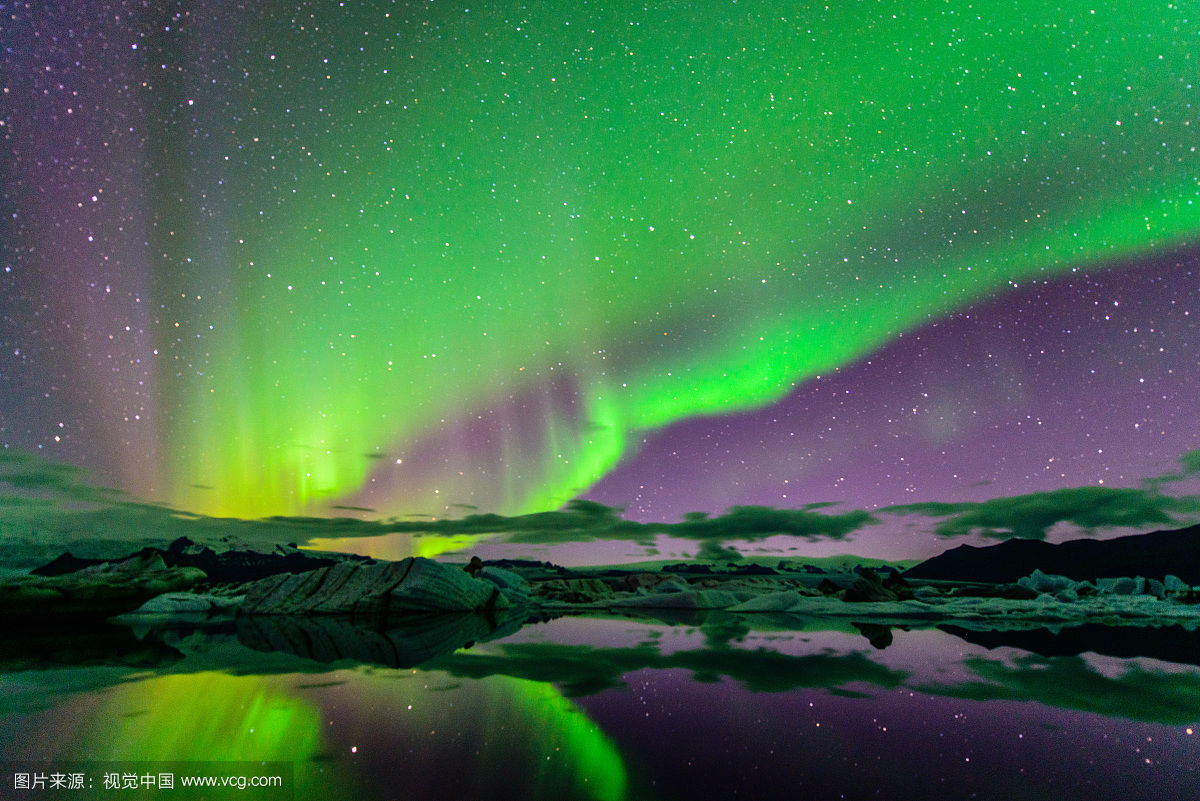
pixel 1152 555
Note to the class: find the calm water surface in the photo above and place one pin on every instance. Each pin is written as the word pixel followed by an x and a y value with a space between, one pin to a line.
pixel 717 706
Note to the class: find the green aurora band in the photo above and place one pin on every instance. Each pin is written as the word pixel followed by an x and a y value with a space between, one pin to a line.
pixel 577 225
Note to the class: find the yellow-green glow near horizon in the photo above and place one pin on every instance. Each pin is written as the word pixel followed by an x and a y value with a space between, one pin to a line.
pixel 394 547
pixel 570 227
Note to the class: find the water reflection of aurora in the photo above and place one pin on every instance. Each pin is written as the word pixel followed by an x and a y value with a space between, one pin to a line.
pixel 548 711
pixel 344 731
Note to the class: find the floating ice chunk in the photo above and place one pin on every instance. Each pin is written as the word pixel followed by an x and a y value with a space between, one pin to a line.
pixel 692 599
pixel 410 585
pixel 783 601
pixel 1123 585
pixel 927 594
pixel 175 603
pixel 1045 582
pixel 1173 583
pixel 672 585
pixel 512 585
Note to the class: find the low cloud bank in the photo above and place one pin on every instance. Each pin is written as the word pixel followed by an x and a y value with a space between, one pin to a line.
pixel 46 505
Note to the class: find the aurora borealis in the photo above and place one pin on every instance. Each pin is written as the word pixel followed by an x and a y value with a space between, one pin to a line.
pixel 278 258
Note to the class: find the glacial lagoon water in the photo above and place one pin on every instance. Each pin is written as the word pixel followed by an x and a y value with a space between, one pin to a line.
pixel 703 706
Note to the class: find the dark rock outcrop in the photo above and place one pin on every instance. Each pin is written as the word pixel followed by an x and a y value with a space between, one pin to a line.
pixel 222 567
pixel 867 588
pixel 63 564
pixel 576 591
pixel 237 566
pixel 97 592
pixel 754 570
pixel 828 587
pixel 1011 592
pixel 82 643
pixel 688 568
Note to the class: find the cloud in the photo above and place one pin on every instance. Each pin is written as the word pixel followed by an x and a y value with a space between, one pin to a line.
pixel 760 522
pixel 1189 467
pixel 47 506
pixel 588 521
pixel 27 473
pixel 713 551
pixel 1032 516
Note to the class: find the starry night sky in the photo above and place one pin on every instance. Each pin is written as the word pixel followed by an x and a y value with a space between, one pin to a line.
pixel 418 258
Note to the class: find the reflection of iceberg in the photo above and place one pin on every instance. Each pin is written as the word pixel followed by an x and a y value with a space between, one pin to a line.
pixel 510 738
pixel 406 641
pixel 1139 692
pixel 503 715
pixel 27 648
